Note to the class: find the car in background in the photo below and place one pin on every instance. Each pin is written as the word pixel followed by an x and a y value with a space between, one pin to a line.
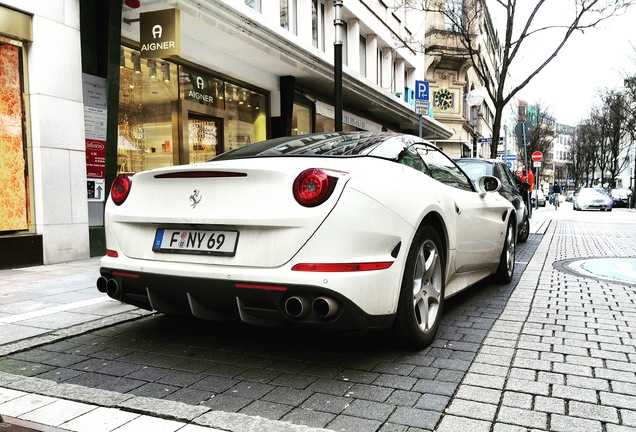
pixel 538 198
pixel 477 167
pixel 334 231
pixel 621 197
pixel 587 198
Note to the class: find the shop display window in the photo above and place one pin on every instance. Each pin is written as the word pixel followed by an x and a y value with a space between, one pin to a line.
pixel 171 114
pixel 147 95
pixel 15 212
pixel 301 119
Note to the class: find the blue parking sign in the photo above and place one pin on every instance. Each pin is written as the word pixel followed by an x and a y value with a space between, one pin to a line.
pixel 421 90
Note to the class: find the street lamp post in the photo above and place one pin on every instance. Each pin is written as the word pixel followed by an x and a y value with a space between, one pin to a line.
pixel 337 65
pixel 474 98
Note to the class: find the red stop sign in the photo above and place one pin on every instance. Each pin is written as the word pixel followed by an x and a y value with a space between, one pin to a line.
pixel 537 156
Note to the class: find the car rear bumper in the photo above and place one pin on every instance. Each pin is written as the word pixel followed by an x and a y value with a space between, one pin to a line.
pixel 264 304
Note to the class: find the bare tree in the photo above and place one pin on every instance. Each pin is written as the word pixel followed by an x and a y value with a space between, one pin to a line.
pixel 615 128
pixel 577 156
pixel 543 131
pixel 467 21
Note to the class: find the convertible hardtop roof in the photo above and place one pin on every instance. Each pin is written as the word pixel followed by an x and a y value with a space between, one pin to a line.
pixel 337 144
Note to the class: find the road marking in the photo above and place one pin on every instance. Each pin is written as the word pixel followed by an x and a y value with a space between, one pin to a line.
pixel 53 309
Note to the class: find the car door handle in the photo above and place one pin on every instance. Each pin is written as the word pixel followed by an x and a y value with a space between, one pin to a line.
pixel 457 210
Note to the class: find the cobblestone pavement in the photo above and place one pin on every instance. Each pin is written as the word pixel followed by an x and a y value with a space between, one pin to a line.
pixel 552 351
pixel 562 356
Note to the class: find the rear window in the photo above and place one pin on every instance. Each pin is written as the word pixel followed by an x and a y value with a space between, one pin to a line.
pixel 333 144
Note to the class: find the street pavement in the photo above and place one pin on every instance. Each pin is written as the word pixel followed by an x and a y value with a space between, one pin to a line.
pixel 555 351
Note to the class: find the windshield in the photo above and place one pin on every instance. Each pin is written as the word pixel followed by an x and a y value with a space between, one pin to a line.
pixel 474 170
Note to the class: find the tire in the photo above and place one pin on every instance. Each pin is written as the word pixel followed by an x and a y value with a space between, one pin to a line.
pixel 422 292
pixel 506 269
pixel 524 230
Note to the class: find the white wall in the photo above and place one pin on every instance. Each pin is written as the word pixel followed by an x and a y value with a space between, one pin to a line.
pixel 57 128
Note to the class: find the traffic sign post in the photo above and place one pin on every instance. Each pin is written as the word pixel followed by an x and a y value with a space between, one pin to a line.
pixel 537 157
pixel 421 107
pixel 421 100
pixel 421 90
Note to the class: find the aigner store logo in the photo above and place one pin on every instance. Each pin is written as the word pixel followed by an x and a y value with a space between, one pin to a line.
pixel 200 91
pixel 159 33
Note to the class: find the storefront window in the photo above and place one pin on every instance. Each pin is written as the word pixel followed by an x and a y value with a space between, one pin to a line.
pixel 245 117
pixel 147 94
pixel 221 116
pixel 171 114
pixel 301 119
pixel 15 213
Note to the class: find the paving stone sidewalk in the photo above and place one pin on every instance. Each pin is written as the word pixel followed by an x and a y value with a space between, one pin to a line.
pixel 562 356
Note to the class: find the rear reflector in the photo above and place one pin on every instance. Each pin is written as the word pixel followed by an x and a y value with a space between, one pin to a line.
pixel 200 174
pixel 112 253
pixel 123 274
pixel 342 267
pixel 261 287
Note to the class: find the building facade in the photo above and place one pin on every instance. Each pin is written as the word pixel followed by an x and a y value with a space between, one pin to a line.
pixel 452 73
pixel 43 205
pixel 150 83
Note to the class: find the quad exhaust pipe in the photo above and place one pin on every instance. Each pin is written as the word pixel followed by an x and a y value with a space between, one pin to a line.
pixel 110 287
pixel 297 306
pixel 324 307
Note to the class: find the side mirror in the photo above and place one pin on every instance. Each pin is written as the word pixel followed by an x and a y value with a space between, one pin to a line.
pixel 487 183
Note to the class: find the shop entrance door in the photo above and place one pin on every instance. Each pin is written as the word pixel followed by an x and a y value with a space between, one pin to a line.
pixel 205 137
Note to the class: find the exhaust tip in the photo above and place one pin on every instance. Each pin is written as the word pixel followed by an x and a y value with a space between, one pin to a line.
pixel 325 307
pixel 297 307
pixel 112 289
pixel 101 284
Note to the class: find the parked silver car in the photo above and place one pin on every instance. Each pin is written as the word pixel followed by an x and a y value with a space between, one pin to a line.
pixel 538 194
pixel 588 198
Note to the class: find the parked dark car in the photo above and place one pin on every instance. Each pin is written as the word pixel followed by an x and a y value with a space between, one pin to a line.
pixel 621 197
pixel 510 189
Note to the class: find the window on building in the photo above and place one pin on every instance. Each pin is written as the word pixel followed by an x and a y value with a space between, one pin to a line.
pixel 393 76
pixel 218 115
pixel 378 72
pixel 302 116
pixel 363 56
pixel 318 24
pixel 254 4
pixel 288 18
pixel 454 16
pixel 15 211
pixel 345 43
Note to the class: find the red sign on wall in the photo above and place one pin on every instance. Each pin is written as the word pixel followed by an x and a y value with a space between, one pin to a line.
pixel 95 159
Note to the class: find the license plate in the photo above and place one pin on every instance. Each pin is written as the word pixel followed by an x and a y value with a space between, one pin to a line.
pixel 204 242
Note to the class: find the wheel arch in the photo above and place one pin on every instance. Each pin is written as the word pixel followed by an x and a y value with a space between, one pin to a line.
pixel 435 220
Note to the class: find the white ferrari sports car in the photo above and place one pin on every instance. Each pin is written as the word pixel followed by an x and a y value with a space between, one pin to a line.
pixel 340 231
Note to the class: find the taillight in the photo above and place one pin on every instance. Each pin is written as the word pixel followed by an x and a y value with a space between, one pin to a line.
pixel 313 186
pixel 121 188
pixel 342 267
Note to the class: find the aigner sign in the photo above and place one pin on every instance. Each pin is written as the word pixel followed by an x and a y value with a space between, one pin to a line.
pixel 159 33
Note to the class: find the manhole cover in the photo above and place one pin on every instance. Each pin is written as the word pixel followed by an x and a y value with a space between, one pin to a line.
pixel 615 269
